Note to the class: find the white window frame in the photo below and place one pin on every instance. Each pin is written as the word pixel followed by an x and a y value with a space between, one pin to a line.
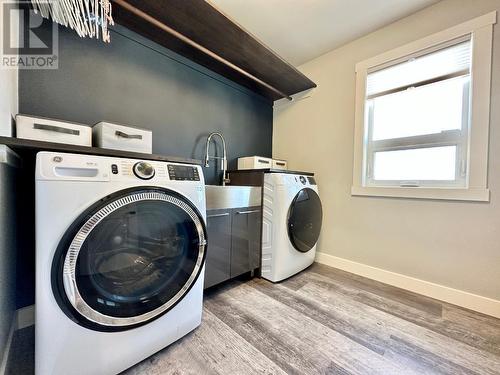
pixel 474 186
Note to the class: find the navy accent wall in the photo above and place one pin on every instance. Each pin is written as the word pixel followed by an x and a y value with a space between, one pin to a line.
pixel 133 81
pixel 8 245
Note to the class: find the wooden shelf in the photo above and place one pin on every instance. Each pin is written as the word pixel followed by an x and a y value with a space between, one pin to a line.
pixel 198 31
pixel 270 170
pixel 20 145
pixel 255 177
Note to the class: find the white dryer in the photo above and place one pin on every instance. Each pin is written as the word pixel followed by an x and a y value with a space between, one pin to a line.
pixel 292 217
pixel 120 250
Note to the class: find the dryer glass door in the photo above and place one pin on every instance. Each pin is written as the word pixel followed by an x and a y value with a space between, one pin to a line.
pixel 304 220
pixel 130 258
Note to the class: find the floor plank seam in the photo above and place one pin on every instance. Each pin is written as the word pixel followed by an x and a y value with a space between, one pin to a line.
pixel 470 339
pixel 342 332
pixel 243 338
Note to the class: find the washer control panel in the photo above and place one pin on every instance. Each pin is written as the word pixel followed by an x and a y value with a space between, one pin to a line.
pixel 183 173
pixel 76 167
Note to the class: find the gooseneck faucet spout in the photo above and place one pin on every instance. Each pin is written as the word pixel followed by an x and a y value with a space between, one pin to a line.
pixel 223 159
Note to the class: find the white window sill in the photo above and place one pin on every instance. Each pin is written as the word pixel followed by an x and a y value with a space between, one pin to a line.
pixel 455 194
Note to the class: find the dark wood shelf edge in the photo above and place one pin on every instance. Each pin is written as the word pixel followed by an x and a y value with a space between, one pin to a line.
pixel 198 31
pixel 270 170
pixel 26 144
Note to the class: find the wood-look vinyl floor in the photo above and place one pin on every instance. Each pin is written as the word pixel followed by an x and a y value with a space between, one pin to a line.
pixel 326 321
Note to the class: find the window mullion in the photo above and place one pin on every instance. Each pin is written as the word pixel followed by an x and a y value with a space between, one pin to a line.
pixel 463 147
pixel 413 85
pixel 370 155
pixel 447 138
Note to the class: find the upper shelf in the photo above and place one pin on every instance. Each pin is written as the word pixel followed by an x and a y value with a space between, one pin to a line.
pixel 200 32
pixel 19 145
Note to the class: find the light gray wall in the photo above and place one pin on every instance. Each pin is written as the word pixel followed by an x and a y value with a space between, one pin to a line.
pixel 8 88
pixel 8 108
pixel 456 244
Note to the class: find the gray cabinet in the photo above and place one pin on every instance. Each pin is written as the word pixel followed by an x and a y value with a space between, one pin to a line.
pixel 234 237
pixel 245 240
pixel 217 263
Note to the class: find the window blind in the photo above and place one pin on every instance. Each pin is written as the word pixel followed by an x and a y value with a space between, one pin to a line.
pixel 448 62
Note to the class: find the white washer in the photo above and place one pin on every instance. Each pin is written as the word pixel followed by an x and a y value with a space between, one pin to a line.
pixel 120 250
pixel 292 217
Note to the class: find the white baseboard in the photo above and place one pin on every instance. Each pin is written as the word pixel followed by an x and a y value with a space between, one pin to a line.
pixel 457 297
pixel 8 344
pixel 22 318
pixel 25 317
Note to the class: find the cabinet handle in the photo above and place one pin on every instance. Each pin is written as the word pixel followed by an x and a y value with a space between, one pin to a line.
pixel 218 215
pixel 247 212
pixel 263 161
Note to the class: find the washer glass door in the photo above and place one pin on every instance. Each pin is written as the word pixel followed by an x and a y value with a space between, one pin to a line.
pixel 130 259
pixel 304 220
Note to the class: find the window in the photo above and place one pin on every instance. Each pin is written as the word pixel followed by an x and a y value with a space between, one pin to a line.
pixel 422 117
pixel 417 120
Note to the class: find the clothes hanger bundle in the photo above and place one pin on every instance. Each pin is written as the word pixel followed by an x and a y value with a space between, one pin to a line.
pixel 86 17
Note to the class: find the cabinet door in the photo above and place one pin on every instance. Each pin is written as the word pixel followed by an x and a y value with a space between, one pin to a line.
pixel 245 240
pixel 218 260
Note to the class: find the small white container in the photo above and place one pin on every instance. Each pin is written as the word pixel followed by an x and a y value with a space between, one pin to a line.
pixel 51 130
pixel 121 137
pixel 280 164
pixel 255 162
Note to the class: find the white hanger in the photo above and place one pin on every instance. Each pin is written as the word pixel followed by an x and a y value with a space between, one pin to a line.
pixel 86 17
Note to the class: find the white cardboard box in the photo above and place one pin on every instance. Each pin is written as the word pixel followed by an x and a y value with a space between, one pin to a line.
pixel 255 162
pixel 51 130
pixel 280 164
pixel 121 137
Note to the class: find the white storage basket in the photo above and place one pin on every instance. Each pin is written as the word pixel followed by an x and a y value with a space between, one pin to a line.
pixel 51 130
pixel 121 137
pixel 280 164
pixel 255 162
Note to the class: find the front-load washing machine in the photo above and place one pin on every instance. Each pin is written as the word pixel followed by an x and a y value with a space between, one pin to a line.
pixel 120 250
pixel 292 218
